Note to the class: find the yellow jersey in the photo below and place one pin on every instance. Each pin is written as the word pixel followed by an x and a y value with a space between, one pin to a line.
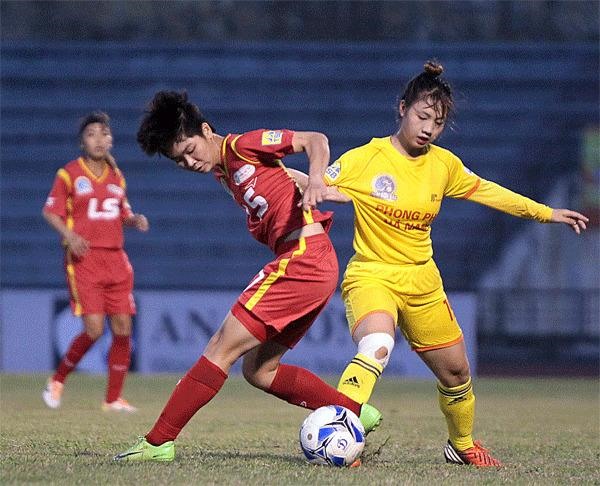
pixel 396 198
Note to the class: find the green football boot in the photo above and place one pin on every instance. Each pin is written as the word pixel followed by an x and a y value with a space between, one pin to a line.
pixel 142 450
pixel 370 417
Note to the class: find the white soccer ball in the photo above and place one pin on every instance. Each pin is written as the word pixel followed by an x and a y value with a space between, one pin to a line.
pixel 332 435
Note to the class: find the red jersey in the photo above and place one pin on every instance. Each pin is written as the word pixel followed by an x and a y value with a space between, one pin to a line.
pixel 251 171
pixel 93 207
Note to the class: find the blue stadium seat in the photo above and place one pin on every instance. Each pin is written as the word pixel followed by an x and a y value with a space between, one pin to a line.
pixel 520 109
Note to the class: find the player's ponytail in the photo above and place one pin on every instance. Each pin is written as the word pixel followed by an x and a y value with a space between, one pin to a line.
pixel 112 162
pixel 430 85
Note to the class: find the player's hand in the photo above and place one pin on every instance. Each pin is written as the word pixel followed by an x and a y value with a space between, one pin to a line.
pixel 139 222
pixel 315 193
pixel 576 221
pixel 334 195
pixel 77 245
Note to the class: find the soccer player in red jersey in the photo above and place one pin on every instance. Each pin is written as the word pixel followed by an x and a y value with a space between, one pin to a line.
pixel 281 302
pixel 88 207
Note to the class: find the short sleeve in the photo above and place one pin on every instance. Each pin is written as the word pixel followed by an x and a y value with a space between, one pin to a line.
pixel 341 172
pixel 56 203
pixel 263 145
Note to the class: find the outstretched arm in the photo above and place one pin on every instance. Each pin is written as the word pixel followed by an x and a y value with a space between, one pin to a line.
pixel 576 221
pixel 498 197
pixel 331 192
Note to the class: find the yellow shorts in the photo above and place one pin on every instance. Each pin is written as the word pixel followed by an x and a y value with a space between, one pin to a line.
pixel 412 294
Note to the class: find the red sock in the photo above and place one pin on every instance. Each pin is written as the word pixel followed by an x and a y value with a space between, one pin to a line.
pixel 299 386
pixel 194 390
pixel 119 358
pixel 77 349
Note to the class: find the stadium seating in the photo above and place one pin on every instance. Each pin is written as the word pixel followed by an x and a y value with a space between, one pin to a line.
pixel 520 112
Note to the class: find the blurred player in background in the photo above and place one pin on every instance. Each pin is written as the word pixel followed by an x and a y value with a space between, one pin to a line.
pixel 397 184
pixel 282 301
pixel 88 207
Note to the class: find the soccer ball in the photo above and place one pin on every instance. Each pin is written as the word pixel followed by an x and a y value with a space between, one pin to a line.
pixel 332 435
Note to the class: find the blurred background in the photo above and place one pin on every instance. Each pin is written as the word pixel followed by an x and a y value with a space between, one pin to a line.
pixel 526 75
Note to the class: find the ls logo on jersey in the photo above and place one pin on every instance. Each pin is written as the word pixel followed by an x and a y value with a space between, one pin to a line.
pixel 83 186
pixel 333 170
pixel 272 137
pixel 384 187
pixel 243 174
pixel 108 210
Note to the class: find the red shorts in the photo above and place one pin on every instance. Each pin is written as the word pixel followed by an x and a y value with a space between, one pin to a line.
pixel 284 299
pixel 100 282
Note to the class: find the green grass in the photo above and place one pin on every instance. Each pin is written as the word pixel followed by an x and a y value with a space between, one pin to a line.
pixel 546 432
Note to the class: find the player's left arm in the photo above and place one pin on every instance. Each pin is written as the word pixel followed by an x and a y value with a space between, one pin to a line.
pixel 576 221
pixel 137 221
pixel 464 184
pixel 133 220
pixel 316 146
pixel 498 197
pixel 128 217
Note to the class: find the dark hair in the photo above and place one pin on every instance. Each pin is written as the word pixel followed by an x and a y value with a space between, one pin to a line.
pixel 429 85
pixel 104 119
pixel 94 117
pixel 169 118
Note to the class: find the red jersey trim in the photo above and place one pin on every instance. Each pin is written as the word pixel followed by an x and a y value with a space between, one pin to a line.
pixel 475 187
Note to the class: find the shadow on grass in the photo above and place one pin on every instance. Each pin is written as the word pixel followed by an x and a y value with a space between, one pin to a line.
pixel 205 455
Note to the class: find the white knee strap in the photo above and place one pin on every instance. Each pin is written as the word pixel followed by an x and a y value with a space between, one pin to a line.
pixel 372 342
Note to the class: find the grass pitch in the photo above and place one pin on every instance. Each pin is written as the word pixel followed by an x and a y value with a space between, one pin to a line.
pixel 545 431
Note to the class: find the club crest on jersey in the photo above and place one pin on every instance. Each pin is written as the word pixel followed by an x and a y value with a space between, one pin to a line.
pixel 115 189
pixel 384 187
pixel 333 170
pixel 272 137
pixel 83 185
pixel 243 174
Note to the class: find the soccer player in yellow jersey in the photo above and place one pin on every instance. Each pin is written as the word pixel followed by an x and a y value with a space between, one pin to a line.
pixel 397 184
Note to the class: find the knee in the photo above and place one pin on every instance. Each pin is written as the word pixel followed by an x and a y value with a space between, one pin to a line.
pixel 121 326
pixel 377 346
pixel 94 333
pixel 456 375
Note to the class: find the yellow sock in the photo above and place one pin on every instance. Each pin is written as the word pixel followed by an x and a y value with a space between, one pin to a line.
pixel 458 406
pixel 359 378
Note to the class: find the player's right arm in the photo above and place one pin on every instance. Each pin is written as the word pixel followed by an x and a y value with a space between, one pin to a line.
pixel 316 146
pixel 74 243
pixel 331 192
pixel 54 213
